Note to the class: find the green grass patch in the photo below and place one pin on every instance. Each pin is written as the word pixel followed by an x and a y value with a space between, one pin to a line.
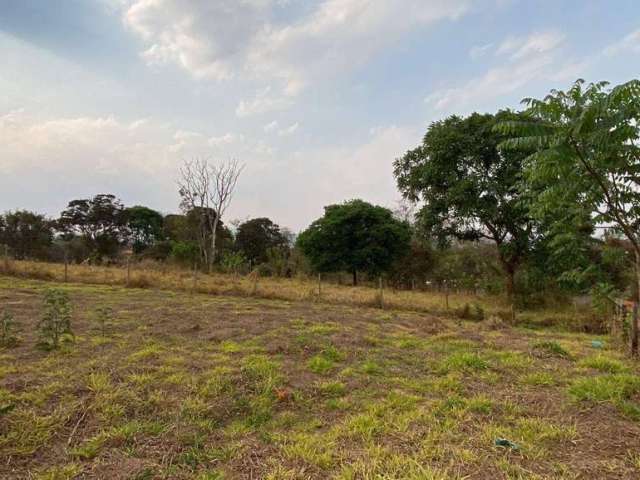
pixel 551 348
pixel 604 364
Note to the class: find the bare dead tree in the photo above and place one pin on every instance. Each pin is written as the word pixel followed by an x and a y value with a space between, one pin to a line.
pixel 225 178
pixel 207 190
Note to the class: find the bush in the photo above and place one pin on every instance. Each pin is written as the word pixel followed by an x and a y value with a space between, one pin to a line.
pixel 56 319
pixel 472 312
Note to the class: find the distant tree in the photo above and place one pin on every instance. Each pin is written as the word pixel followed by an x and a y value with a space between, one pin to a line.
pixel 176 228
pixel 208 189
pixel 256 236
pixel 469 188
pixel 145 227
pixel 192 234
pixel 27 234
pixel 355 236
pixel 100 221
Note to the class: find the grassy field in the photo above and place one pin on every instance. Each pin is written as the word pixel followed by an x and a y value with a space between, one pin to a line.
pixel 167 277
pixel 200 386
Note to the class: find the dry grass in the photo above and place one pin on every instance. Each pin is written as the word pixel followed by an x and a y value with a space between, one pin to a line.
pixel 222 387
pixel 168 277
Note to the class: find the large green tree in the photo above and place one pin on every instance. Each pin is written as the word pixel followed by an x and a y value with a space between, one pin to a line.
pixel 100 221
pixel 27 234
pixel 468 188
pixel 586 153
pixel 257 236
pixel 145 227
pixel 355 236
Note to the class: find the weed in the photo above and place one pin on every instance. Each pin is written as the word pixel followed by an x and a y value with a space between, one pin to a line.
pixel 539 379
pixel 104 319
pixel 605 388
pixel 604 364
pixel 550 348
pixel 8 330
pixel 332 389
pixel 56 319
pixel 320 364
pixel 462 362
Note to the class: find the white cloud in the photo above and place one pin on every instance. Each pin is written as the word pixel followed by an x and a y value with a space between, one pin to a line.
pixel 535 44
pixel 479 51
pixel 529 59
pixel 226 139
pixel 341 34
pixel 270 127
pixel 220 39
pixel 206 38
pixel 263 102
pixel 290 130
pixel 630 43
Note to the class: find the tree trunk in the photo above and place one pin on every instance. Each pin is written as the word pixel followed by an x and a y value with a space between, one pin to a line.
pixel 355 278
pixel 633 344
pixel 510 283
pixel 214 229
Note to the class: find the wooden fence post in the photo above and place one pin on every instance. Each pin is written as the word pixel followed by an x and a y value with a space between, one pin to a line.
pixel 6 258
pixel 319 284
pixel 446 294
pixel 195 277
pixel 128 271
pixel 380 284
pixel 634 331
pixel 66 267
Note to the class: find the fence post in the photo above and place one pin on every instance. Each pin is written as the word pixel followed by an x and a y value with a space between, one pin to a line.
pixel 380 284
pixel 6 258
pixel 319 284
pixel 195 277
pixel 446 294
pixel 128 271
pixel 66 267
pixel 634 330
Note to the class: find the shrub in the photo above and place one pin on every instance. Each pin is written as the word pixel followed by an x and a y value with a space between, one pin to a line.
pixel 104 319
pixel 56 319
pixel 471 312
pixel 8 330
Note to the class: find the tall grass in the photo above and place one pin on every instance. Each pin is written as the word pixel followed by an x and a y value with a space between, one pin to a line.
pixel 170 277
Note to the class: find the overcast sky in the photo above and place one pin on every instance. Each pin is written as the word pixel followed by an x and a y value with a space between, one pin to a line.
pixel 317 97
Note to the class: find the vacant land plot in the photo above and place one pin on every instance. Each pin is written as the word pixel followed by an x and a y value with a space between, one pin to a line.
pixel 212 387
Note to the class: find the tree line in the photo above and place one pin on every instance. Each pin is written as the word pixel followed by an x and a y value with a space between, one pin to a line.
pixel 525 202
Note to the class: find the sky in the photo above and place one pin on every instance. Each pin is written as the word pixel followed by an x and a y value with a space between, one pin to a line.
pixel 316 97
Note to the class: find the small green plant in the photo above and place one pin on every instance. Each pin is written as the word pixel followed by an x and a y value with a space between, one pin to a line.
pixel 104 319
pixel 8 330
pixel 56 319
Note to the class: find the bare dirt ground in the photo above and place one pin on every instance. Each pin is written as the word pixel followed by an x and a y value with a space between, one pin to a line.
pixel 210 387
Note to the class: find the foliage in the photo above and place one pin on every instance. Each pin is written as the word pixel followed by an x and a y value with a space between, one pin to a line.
pixel 185 252
pixel 145 227
pixel 100 221
pixel 469 187
pixel 355 236
pixel 27 234
pixel 8 330
pixel 104 319
pixel 585 153
pixel 56 318
pixel 231 262
pixel 256 237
